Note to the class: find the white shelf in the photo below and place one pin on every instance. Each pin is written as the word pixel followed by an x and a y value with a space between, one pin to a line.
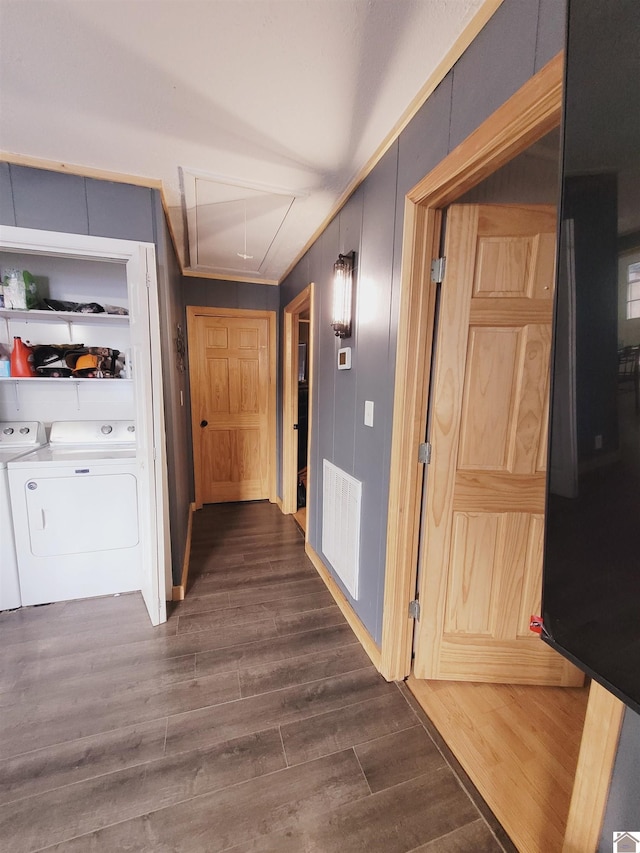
pixel 39 316
pixel 68 380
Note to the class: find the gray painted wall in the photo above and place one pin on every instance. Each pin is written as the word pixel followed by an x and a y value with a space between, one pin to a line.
pixel 55 201
pixel 175 382
pixel 519 39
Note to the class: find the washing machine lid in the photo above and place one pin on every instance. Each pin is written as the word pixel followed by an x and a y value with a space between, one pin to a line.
pixel 76 456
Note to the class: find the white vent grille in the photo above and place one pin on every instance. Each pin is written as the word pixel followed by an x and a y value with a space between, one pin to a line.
pixel 341 498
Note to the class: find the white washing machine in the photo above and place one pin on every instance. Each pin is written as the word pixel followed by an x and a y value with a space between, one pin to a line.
pixel 16 439
pixel 75 513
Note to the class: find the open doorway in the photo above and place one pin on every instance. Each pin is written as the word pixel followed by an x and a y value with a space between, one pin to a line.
pixel 517 728
pixel 296 402
pixel 530 115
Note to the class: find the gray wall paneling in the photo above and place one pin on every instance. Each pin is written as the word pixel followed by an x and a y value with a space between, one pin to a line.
pixel 213 293
pixel 345 381
pixel 179 469
pixel 512 46
pixel 121 211
pixel 552 22
pixel 375 379
pixel 51 201
pixel 324 383
pixel 7 213
pixel 497 63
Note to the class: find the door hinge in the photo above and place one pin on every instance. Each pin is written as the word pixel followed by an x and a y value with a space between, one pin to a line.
pixel 437 270
pixel 148 280
pixel 414 609
pixel 424 452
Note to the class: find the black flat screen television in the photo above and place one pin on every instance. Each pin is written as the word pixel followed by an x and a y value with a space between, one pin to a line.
pixel 591 576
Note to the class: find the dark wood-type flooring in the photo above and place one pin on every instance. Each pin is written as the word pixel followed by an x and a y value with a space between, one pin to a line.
pixel 251 722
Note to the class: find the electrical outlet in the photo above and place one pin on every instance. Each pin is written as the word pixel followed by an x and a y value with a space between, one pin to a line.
pixel 597 442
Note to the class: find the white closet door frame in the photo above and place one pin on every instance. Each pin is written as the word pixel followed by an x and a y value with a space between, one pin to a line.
pixel 139 260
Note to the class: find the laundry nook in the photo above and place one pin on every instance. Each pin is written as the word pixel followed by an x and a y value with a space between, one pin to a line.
pixel 80 415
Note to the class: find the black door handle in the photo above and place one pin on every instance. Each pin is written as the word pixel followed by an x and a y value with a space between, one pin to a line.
pixel 204 423
pixel 295 426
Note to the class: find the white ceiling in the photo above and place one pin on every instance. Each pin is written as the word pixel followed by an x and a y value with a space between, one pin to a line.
pixel 256 115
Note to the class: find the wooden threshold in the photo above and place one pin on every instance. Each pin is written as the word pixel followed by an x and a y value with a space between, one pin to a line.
pixel 519 745
pixel 300 518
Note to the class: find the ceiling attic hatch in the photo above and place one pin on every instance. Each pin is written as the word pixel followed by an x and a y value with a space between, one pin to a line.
pixel 232 226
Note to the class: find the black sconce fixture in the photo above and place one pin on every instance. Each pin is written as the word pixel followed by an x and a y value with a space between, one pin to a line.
pixel 342 295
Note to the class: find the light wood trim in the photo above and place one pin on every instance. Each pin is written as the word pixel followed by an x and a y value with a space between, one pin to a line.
pixel 289 405
pixel 290 397
pixel 356 625
pixel 134 180
pixel 466 37
pixel 194 311
pixel 422 235
pixel 188 272
pixel 82 171
pixel 530 113
pixel 311 368
pixel 593 774
pixel 180 591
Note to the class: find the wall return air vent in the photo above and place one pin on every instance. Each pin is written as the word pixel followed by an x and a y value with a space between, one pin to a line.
pixel 341 499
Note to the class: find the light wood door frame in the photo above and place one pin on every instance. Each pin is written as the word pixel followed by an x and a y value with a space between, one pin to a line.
pixel 531 113
pixel 194 311
pixel 301 303
pixel 525 118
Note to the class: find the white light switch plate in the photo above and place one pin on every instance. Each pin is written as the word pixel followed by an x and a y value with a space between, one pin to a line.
pixel 368 413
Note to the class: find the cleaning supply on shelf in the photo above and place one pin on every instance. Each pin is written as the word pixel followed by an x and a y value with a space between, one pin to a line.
pixel 19 289
pixel 22 359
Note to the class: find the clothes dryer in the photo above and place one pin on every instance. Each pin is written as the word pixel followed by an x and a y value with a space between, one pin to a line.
pixel 16 439
pixel 75 513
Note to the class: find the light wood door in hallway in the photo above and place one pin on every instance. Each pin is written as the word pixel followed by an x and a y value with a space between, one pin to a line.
pixel 485 490
pixel 231 405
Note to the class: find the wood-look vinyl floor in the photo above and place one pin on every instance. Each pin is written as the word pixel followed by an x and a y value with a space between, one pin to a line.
pixel 251 722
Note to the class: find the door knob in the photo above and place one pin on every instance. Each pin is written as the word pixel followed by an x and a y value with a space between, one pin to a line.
pixel 204 423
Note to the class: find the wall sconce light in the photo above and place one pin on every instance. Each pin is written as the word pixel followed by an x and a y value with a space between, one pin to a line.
pixel 342 295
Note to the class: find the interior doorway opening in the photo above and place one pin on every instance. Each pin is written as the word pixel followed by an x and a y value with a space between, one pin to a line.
pixel 296 405
pixel 527 117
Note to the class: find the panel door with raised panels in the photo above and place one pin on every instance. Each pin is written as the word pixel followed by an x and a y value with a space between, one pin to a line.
pixel 485 487
pixel 230 396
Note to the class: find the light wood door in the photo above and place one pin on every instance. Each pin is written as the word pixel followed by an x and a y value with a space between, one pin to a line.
pixel 481 563
pixel 229 359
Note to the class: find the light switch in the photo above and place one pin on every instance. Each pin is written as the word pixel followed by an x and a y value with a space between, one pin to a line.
pixel 368 413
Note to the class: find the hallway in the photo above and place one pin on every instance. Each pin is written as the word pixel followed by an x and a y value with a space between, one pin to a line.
pixel 251 722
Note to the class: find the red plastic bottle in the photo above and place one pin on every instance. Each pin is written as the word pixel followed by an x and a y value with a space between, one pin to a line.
pixel 22 359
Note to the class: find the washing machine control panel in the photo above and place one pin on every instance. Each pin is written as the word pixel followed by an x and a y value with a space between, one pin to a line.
pixel 92 432
pixel 22 434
